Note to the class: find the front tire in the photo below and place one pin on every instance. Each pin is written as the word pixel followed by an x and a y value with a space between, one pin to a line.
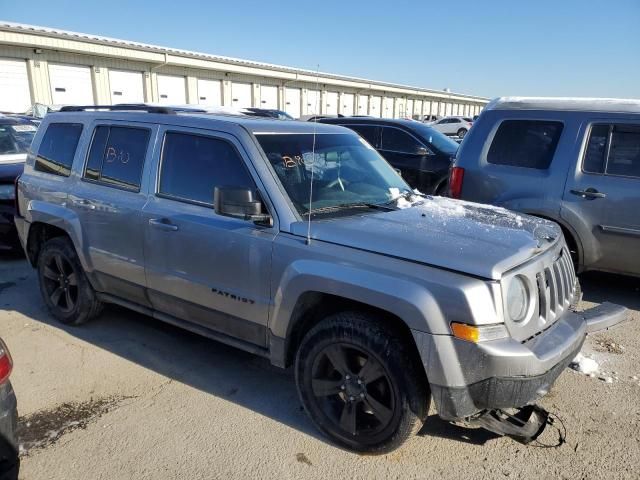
pixel 64 285
pixel 359 384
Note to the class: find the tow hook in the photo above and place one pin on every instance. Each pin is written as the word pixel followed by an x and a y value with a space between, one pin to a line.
pixel 524 426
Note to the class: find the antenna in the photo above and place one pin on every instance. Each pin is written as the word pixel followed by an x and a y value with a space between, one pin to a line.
pixel 313 152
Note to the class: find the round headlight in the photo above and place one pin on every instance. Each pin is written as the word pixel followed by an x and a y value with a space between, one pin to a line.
pixel 517 300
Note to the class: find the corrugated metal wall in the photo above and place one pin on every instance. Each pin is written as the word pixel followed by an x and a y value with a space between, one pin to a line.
pixel 38 60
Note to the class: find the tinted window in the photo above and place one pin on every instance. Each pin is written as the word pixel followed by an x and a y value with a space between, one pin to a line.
pixel 16 138
pixel 117 156
pixel 594 157
pixel 58 148
pixel 398 141
pixel 369 132
pixel 193 165
pixel 525 143
pixel 624 153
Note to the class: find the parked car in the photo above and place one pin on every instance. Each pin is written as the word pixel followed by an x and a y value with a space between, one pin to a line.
pixel 379 298
pixel 266 112
pixel 9 460
pixel 457 126
pixel 421 154
pixel 15 138
pixel 574 161
pixel 427 118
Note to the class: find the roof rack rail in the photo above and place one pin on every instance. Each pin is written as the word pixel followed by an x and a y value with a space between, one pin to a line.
pixel 139 107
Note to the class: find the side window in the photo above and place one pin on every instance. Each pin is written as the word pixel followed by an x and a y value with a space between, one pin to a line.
pixel 525 143
pixel 116 156
pixel 595 153
pixel 369 132
pixel 398 141
pixel 624 153
pixel 193 165
pixel 58 147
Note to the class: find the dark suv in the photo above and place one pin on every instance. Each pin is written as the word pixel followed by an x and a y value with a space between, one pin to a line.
pixel 422 154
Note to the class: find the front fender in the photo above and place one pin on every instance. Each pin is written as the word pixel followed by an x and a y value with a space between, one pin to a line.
pixel 407 300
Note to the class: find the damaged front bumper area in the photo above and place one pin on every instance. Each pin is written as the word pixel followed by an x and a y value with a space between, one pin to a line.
pixel 470 378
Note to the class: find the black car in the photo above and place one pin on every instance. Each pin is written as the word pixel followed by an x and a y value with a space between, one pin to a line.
pixel 267 112
pixel 421 154
pixel 15 138
pixel 9 461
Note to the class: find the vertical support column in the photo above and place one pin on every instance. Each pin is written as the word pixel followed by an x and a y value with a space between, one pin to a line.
pixel 192 90
pixel 100 85
pixel 255 98
pixel 39 85
pixel 226 93
pixel 147 85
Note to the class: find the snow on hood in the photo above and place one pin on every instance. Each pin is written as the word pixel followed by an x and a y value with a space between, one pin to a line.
pixel 477 239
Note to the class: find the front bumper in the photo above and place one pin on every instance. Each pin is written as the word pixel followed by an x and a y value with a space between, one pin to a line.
pixel 467 378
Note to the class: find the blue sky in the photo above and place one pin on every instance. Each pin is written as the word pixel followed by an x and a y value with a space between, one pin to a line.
pixel 489 48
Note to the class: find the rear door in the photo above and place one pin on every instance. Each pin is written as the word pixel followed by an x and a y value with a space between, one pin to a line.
pixel 108 201
pixel 200 266
pixel 604 191
pixel 401 150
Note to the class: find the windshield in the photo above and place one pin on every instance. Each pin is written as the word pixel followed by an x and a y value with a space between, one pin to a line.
pixel 347 171
pixel 436 139
pixel 16 138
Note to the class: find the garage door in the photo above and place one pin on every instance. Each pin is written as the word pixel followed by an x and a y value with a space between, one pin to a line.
pixel 375 109
pixel 346 108
pixel 171 90
pixel 331 105
pixel 126 87
pixel 292 101
pixel 269 96
pixel 240 95
pixel 209 92
pixel 313 102
pixel 363 105
pixel 14 86
pixel 387 107
pixel 70 85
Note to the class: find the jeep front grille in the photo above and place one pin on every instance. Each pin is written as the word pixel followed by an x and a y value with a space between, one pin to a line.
pixel 556 287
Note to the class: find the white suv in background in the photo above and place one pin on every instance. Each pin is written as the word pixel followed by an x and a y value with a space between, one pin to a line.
pixel 458 126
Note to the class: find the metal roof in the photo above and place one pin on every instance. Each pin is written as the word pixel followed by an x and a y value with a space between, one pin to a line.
pixel 85 37
pixel 583 104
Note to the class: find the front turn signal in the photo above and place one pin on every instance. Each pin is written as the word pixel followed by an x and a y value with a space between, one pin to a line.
pixel 475 333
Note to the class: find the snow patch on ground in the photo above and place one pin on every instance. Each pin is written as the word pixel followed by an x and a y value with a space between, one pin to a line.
pixel 585 365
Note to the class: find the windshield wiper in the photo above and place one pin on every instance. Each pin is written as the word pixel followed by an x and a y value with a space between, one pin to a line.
pixel 346 206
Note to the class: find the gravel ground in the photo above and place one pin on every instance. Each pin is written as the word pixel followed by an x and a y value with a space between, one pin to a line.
pixel 129 397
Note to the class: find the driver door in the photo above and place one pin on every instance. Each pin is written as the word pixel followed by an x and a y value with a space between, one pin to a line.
pixel 202 267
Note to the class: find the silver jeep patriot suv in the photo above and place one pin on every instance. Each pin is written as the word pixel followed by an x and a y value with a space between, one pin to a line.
pixel 298 242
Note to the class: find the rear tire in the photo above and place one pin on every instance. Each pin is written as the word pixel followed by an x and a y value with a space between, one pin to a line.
pixel 64 286
pixel 359 384
pixel 461 133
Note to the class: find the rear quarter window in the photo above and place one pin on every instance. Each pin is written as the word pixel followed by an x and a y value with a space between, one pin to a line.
pixel 57 149
pixel 525 143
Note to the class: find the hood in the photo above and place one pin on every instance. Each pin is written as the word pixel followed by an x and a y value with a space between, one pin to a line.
pixel 9 171
pixel 472 238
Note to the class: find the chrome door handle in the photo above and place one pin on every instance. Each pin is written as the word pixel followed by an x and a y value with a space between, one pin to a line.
pixel 83 203
pixel 163 224
pixel 590 193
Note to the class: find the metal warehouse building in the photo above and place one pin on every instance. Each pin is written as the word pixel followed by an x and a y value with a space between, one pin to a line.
pixel 54 67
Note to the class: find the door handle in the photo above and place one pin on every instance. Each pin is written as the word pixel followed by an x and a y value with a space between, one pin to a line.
pixel 163 224
pixel 83 203
pixel 590 193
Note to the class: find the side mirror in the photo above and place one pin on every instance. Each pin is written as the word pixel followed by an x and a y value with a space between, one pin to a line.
pixel 422 151
pixel 239 202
